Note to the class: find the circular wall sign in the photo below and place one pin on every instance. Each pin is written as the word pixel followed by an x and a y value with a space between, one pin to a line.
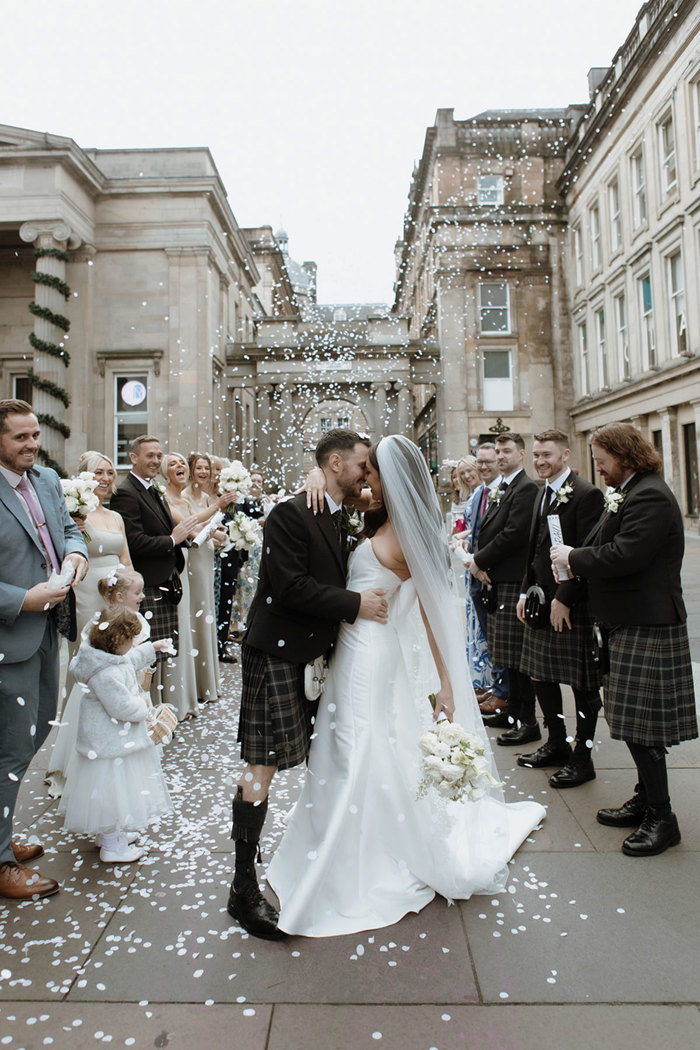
pixel 133 393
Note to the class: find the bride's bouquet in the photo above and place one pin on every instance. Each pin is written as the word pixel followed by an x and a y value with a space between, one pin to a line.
pixel 453 763
pixel 79 494
pixel 234 478
pixel 244 533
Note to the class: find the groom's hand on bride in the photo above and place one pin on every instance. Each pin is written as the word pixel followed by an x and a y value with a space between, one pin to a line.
pixel 373 606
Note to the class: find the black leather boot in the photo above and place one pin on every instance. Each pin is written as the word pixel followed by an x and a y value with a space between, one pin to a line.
pixel 246 903
pixel 654 835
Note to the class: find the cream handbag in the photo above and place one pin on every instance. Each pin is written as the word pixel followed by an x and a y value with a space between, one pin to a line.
pixel 315 674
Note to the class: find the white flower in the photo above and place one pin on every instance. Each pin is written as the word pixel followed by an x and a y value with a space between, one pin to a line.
pixel 613 500
pixel 244 533
pixel 453 764
pixel 495 496
pixel 235 478
pixel 564 494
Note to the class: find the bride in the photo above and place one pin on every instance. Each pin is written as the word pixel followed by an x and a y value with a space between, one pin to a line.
pixel 360 850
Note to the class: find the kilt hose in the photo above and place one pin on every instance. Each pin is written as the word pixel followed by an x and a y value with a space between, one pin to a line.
pixel 276 718
pixel 162 617
pixel 567 656
pixel 649 697
pixel 504 631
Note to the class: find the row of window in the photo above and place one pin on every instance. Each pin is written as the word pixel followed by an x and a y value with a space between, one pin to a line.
pixel 665 150
pixel 611 330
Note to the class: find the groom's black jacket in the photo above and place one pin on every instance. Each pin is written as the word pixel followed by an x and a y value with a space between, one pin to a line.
pixel 301 597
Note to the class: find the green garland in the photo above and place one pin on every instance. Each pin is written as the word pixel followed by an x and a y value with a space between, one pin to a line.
pixel 61 395
pixel 48 420
pixel 50 348
pixel 49 462
pixel 52 253
pixel 51 388
pixel 43 311
pixel 40 277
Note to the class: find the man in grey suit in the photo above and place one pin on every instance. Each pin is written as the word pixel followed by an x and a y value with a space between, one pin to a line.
pixel 37 537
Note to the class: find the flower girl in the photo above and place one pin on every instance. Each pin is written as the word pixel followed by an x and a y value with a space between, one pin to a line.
pixel 122 588
pixel 116 784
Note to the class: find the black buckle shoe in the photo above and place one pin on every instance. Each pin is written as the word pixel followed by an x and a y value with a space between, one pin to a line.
pixel 548 755
pixel 629 815
pixel 255 914
pixel 573 774
pixel 654 835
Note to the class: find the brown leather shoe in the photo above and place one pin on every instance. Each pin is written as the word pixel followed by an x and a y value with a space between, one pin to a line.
pixel 493 705
pixel 23 884
pixel 27 851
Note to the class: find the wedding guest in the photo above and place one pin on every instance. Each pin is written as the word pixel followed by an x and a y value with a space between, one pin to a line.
pixel 253 506
pixel 155 543
pixel 200 571
pixel 478 660
pixel 560 648
pixel 180 677
pixel 632 562
pixel 105 537
pixel 499 563
pixel 39 538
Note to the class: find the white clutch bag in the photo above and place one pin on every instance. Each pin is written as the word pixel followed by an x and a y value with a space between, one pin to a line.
pixel 315 674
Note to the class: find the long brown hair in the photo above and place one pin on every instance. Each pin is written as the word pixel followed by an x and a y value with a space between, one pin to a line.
pixel 374 519
pixel 627 444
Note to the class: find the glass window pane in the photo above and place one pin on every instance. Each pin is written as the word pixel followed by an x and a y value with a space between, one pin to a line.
pixel 497 364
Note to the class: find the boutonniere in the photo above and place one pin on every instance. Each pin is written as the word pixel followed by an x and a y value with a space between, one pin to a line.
pixel 159 486
pixel 351 521
pixel 613 500
pixel 495 496
pixel 564 494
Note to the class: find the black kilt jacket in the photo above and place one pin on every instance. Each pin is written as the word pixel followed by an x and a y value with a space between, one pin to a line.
pixel 568 655
pixel 502 545
pixel 148 525
pixel 632 557
pixel 301 597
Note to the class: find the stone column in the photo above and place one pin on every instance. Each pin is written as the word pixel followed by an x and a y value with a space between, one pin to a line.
pixel 51 239
pixel 282 436
pixel 404 409
pixel 379 398
pixel 669 435
pixel 262 436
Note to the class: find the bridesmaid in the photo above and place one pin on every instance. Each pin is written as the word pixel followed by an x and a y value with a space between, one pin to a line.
pixel 107 548
pixel 248 576
pixel 200 570
pixel 179 675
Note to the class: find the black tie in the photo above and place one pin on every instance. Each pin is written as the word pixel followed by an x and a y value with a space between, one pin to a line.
pixel 336 517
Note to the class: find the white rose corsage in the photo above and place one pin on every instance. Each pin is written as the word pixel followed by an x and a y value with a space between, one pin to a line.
pixel 564 494
pixel 613 500
pixel 495 496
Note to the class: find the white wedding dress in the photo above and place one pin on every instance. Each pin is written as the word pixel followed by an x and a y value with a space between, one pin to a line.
pixel 360 851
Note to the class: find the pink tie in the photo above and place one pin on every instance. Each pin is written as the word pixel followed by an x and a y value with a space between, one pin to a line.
pixel 484 498
pixel 37 514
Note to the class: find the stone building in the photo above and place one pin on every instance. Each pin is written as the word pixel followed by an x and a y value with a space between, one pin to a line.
pixel 123 278
pixel 631 183
pixel 482 276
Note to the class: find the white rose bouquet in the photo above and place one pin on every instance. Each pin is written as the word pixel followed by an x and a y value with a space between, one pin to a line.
pixel 79 494
pixel 453 764
pixel 244 533
pixel 234 478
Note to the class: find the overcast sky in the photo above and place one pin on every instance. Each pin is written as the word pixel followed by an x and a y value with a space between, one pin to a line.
pixel 314 111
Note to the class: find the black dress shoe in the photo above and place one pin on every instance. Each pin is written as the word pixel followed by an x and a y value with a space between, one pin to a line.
pixel 654 835
pixel 548 755
pixel 523 734
pixel 256 915
pixel 226 659
pixel 573 774
pixel 629 815
pixel 499 721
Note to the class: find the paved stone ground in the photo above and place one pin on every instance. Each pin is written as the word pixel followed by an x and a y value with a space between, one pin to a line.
pixel 586 946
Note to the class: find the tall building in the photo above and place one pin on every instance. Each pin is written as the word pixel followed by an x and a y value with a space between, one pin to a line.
pixel 482 276
pixel 631 184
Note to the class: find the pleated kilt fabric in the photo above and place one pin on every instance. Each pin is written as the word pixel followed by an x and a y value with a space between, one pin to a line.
pixel 649 697
pixel 504 631
pixel 276 718
pixel 566 656
pixel 162 618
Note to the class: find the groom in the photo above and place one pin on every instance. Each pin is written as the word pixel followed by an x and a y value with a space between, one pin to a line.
pixel 297 610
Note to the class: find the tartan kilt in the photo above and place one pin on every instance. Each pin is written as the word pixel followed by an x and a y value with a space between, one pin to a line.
pixel 649 697
pixel 504 631
pixel 566 656
pixel 162 618
pixel 276 718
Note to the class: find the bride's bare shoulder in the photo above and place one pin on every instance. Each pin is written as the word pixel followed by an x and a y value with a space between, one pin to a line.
pixel 388 550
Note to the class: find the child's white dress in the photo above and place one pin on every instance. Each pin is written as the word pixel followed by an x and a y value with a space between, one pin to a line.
pixel 116 779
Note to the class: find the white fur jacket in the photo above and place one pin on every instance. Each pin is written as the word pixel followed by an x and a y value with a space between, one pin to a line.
pixel 113 709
